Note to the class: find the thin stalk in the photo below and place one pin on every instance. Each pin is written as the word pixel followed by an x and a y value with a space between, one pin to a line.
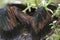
pixel 36 2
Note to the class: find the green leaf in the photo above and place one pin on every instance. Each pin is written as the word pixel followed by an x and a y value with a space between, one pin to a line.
pixel 53 27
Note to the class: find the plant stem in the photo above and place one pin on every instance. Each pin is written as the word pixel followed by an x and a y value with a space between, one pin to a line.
pixel 36 2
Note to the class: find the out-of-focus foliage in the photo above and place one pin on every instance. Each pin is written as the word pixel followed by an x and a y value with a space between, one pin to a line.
pixel 1 3
pixel 56 34
pixel 57 12
pixel 31 3
pixel 36 3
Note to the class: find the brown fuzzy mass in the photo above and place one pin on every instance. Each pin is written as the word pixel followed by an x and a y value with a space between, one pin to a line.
pixel 30 20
